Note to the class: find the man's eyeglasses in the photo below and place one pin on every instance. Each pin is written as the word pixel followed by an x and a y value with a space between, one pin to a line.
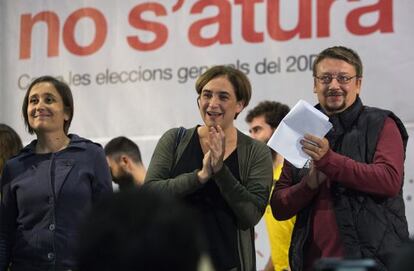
pixel 327 78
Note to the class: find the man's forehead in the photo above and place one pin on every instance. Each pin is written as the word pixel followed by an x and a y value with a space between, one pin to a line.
pixel 258 119
pixel 336 64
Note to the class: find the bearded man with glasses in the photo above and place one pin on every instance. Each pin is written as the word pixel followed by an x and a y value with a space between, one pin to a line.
pixel 349 203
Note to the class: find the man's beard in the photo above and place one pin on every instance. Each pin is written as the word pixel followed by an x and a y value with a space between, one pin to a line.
pixel 337 108
pixel 125 180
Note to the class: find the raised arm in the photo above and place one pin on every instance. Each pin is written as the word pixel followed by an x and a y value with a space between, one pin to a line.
pixel 383 177
pixel 158 177
pixel 289 198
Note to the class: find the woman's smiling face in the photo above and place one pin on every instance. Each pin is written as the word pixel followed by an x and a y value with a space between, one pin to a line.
pixel 45 110
pixel 218 103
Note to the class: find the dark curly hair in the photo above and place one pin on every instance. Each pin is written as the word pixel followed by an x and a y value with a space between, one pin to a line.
pixel 273 112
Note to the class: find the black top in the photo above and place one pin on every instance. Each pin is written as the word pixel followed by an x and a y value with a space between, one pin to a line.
pixel 217 217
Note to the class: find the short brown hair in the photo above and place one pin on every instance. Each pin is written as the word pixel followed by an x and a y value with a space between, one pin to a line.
pixel 237 78
pixel 343 53
pixel 65 93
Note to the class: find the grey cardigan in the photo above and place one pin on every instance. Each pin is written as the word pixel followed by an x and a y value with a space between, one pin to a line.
pixel 247 198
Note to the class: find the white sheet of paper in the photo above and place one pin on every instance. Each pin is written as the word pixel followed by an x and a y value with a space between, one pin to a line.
pixel 302 119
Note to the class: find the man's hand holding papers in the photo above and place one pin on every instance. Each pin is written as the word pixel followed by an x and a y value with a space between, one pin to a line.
pixel 302 120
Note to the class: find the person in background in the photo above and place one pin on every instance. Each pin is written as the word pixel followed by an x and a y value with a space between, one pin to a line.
pixel 138 230
pixel 349 201
pixel 124 160
pixel 10 144
pixel 263 120
pixel 47 188
pixel 404 259
pixel 223 174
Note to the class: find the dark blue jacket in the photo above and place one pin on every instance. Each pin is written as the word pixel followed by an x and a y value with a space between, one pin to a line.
pixel 44 197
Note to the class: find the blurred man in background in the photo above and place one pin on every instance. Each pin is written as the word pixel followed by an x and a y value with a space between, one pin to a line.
pixel 125 162
pixel 263 121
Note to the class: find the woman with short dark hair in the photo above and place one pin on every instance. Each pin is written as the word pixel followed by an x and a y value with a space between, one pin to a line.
pixel 47 188
pixel 224 174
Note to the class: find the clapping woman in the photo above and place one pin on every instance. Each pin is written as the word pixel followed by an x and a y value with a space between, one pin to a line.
pixel 224 174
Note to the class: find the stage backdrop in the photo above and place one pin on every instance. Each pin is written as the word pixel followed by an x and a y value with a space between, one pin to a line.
pixel 132 64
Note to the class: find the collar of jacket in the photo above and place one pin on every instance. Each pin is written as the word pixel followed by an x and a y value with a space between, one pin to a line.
pixel 76 142
pixel 343 121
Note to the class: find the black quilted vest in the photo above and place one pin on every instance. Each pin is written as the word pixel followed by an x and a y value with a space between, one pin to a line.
pixel 370 227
